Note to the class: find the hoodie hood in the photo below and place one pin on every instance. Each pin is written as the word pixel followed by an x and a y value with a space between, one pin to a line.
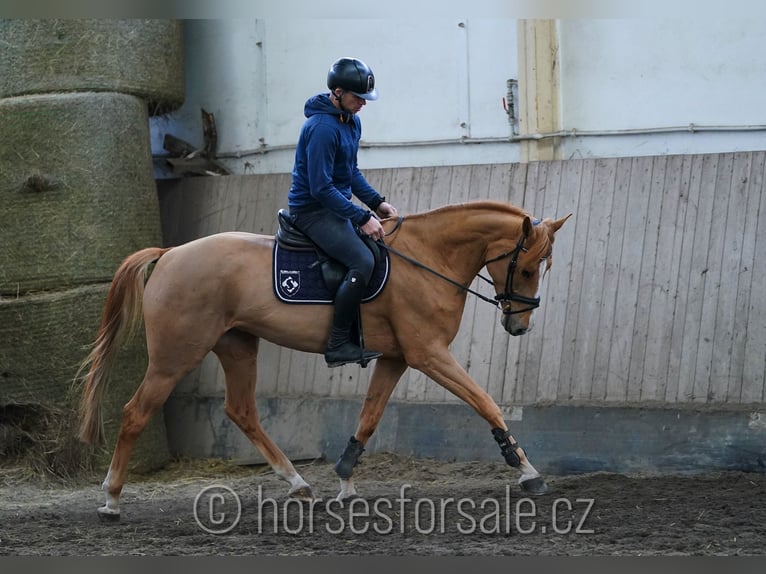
pixel 325 173
pixel 321 104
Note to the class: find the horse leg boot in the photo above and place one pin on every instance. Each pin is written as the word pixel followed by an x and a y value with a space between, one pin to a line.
pixel 530 480
pixel 385 375
pixel 340 350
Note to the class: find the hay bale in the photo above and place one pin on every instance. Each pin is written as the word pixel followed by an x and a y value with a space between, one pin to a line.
pixel 139 57
pixel 43 340
pixel 77 192
pixel 40 441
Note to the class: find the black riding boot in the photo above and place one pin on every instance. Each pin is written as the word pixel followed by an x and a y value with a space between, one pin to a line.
pixel 340 349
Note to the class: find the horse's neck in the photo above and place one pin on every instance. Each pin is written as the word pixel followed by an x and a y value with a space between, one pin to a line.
pixel 457 239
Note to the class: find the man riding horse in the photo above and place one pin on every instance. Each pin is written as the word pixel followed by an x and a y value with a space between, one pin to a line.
pixel 325 176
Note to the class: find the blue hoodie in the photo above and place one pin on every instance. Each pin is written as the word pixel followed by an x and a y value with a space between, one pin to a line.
pixel 325 173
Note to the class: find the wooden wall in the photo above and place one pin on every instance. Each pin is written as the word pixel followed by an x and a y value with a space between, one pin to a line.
pixel 657 293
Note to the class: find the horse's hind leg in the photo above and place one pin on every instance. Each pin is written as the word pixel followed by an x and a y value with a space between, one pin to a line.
pixel 150 396
pixel 238 353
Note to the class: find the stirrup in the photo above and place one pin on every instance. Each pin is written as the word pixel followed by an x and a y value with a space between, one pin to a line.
pixel 362 361
pixel 349 353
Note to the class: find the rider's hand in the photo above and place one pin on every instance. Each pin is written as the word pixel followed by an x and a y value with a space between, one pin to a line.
pixel 373 228
pixel 385 209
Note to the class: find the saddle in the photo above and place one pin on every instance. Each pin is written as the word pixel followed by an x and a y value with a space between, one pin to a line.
pixel 294 251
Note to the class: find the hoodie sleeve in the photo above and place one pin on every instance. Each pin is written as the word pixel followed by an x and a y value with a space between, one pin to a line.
pixel 320 152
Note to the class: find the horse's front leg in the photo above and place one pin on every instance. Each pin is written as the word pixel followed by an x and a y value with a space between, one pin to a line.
pixel 385 375
pixel 441 366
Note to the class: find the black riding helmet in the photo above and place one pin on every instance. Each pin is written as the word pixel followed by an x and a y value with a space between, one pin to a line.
pixel 354 76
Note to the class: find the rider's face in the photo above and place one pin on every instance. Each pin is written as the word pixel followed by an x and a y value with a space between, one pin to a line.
pixel 351 102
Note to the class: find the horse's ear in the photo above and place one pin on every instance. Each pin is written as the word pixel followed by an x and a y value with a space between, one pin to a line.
pixel 526 227
pixel 556 225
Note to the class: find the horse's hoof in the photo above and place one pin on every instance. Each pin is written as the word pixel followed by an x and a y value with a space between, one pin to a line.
pixel 107 516
pixel 534 486
pixel 303 493
pixel 347 498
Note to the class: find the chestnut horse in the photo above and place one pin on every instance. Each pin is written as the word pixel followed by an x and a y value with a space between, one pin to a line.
pixel 215 293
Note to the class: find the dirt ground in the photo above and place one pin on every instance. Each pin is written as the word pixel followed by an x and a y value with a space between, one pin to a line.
pixel 406 507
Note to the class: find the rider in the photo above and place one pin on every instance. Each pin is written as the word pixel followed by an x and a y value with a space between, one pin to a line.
pixel 325 175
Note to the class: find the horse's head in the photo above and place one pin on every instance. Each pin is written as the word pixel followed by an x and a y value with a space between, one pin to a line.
pixel 517 267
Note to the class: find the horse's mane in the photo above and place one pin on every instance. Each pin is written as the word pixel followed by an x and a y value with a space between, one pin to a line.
pixel 474 205
pixel 541 249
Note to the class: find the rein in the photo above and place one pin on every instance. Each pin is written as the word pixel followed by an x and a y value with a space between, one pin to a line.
pixel 420 265
pixel 507 296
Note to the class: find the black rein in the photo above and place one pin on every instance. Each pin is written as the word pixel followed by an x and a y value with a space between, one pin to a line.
pixel 507 296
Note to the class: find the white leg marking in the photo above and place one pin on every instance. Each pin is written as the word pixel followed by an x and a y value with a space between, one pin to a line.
pixel 296 481
pixel 347 489
pixel 112 505
pixel 527 472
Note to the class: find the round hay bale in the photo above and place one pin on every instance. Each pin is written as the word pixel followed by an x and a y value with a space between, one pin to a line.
pixel 139 57
pixel 77 192
pixel 43 340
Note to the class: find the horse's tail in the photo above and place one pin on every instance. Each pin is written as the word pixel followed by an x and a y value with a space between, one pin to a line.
pixel 120 321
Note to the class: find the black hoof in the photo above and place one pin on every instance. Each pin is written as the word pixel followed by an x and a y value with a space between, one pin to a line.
pixel 108 518
pixel 535 486
pixel 304 493
pixel 349 499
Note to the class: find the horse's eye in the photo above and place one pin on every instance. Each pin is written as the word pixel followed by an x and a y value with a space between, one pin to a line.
pixel 526 274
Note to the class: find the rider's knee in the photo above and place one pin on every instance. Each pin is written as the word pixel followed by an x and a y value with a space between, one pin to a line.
pixel 363 269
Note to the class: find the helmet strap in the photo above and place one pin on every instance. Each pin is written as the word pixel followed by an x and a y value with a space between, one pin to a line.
pixel 346 114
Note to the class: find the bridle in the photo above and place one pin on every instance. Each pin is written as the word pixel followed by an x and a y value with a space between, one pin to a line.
pixel 505 298
pixel 502 300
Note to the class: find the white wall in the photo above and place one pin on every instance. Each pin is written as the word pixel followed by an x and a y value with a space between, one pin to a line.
pixel 644 74
pixel 437 80
pixel 441 87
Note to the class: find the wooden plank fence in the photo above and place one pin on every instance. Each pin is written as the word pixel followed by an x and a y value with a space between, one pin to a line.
pixel 657 292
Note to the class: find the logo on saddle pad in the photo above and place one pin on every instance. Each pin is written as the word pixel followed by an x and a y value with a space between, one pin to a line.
pixel 290 281
pixel 301 276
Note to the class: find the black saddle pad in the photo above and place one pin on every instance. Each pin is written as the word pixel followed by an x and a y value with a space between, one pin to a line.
pixel 298 277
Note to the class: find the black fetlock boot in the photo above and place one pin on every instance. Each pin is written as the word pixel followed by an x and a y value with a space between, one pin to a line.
pixel 340 350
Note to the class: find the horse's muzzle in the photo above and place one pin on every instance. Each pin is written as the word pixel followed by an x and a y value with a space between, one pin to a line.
pixel 515 326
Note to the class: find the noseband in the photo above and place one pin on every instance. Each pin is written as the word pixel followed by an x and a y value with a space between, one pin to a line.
pixel 508 295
